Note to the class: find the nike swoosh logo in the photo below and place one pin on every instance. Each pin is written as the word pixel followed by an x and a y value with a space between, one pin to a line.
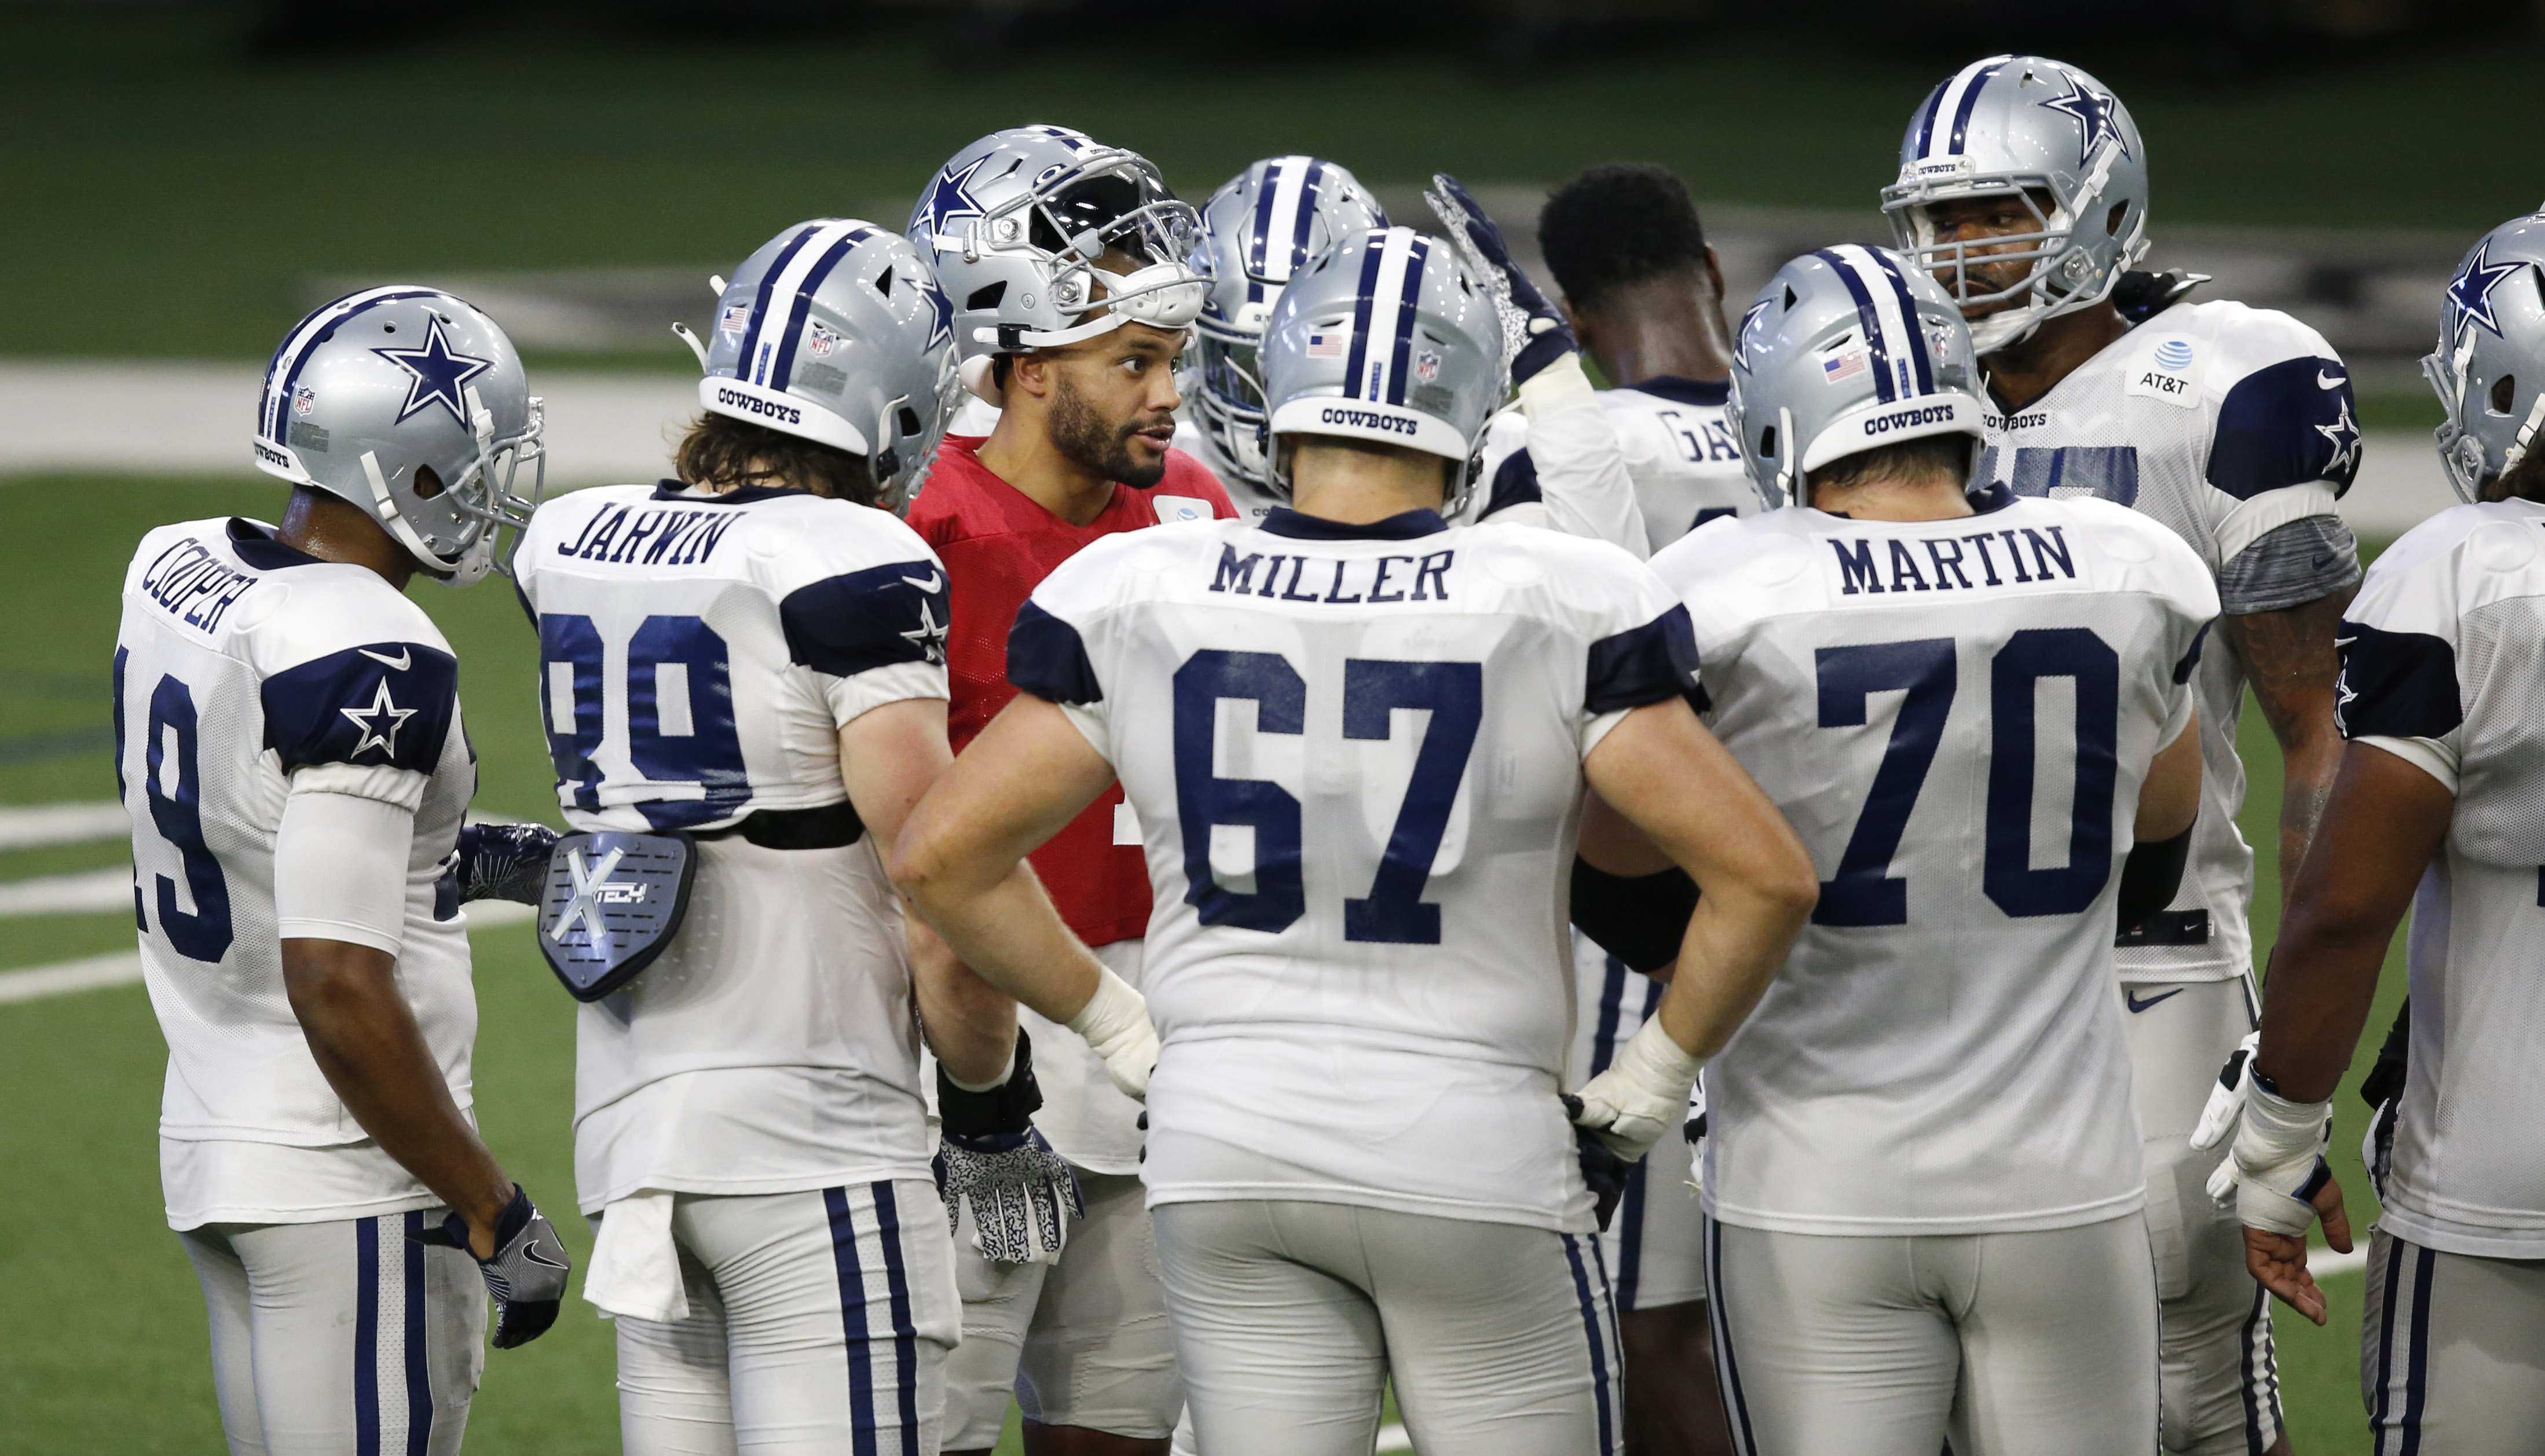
pixel 935 583
pixel 399 664
pixel 2320 562
pixel 2323 380
pixel 531 1252
pixel 2137 1005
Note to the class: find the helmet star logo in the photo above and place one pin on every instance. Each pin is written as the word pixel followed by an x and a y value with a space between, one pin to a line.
pixel 949 200
pixel 383 708
pixel 941 327
pixel 2095 114
pixel 2343 432
pixel 2470 293
pixel 928 636
pixel 434 373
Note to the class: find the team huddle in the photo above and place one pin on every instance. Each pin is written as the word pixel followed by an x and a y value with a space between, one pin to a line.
pixel 1175 820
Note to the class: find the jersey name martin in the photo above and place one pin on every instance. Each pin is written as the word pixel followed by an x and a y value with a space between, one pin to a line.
pixel 669 536
pixel 1948 566
pixel 195 586
pixel 1377 580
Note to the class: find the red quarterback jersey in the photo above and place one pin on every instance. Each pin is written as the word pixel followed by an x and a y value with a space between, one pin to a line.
pixel 998 545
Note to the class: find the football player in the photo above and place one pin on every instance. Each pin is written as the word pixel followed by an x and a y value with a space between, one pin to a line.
pixel 751 658
pixel 1271 221
pixel 2436 808
pixel 2023 186
pixel 289 741
pixel 1922 1182
pixel 1064 263
pixel 1645 294
pixel 1352 735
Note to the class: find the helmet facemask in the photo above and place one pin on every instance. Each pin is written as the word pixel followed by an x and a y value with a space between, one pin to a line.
pixel 1111 209
pixel 2061 276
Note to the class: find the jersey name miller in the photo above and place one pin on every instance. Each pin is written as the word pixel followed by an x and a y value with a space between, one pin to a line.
pixel 1863 564
pixel 1376 580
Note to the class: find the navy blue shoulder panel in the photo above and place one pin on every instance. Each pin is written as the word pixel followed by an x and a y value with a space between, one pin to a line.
pixel 2395 685
pixel 2285 425
pixel 1049 659
pixel 385 703
pixel 1514 483
pixel 1642 665
pixel 2192 656
pixel 844 625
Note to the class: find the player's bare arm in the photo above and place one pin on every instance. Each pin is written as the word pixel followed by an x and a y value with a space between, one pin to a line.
pixel 888 757
pixel 2170 795
pixel 2383 823
pixel 2290 662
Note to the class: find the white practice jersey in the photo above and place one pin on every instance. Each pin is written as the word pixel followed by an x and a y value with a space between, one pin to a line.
pixel 1955 716
pixel 1680 451
pixel 698 655
pixel 2443 663
pixel 2234 427
pixel 246 671
pixel 1355 754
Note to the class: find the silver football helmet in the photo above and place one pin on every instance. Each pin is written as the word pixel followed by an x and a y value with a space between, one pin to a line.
pixel 836 331
pixel 2490 366
pixel 2019 125
pixel 1256 232
pixel 381 386
pixel 1848 349
pixel 1385 337
pixel 1019 225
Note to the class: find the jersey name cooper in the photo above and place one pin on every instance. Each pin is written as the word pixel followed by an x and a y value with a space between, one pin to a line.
pixel 244 669
pixel 698 653
pixel 2440 665
pixel 2227 424
pixel 1356 771
pixel 1955 716
pixel 1679 450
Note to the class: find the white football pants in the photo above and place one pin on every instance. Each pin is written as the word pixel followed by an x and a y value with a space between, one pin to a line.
pixel 819 1323
pixel 2010 1345
pixel 342 1339
pixel 2452 1352
pixel 1290 1318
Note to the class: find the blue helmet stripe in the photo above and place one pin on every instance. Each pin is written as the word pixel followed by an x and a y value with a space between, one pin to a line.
pixel 1868 322
pixel 1927 122
pixel 1354 364
pixel 802 306
pixel 281 378
pixel 1920 352
pixel 760 299
pixel 1970 103
pixel 1407 308
pixel 1268 196
pixel 1312 191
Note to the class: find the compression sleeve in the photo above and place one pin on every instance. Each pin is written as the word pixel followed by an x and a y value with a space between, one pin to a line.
pixel 340 868
pixel 2151 876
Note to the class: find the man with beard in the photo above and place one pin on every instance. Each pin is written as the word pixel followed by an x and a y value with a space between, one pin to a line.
pixel 1086 401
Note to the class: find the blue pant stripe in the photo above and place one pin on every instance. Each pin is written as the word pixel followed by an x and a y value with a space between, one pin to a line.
pixel 366 1336
pixel 419 1368
pixel 905 1329
pixel 1727 1369
pixel 1599 1345
pixel 2416 1373
pixel 852 1321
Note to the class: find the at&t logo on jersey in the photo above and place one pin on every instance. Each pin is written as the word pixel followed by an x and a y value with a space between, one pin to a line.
pixel 2172 373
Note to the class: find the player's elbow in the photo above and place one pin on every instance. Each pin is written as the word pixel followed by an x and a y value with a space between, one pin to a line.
pixel 1792 891
pixel 327 982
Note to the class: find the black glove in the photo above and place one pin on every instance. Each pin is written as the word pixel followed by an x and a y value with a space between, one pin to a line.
pixel 527 1273
pixel 1023 1193
pixel 1602 1170
pixel 504 861
pixel 2381 1089
pixel 1534 333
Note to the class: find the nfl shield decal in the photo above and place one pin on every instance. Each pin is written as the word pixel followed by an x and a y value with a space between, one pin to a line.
pixel 613 903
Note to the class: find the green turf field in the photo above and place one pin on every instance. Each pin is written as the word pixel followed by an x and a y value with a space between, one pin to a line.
pixel 107 1352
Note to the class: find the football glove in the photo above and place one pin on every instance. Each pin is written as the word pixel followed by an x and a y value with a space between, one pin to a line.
pixel 1115 1023
pixel 2382 1089
pixel 1534 333
pixel 527 1273
pixel 1694 1130
pixel 2226 1104
pixel 2278 1166
pixel 1023 1193
pixel 504 861
pixel 1641 1095
pixel 1602 1171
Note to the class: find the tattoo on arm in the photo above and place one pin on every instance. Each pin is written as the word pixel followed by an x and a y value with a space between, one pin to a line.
pixel 2288 659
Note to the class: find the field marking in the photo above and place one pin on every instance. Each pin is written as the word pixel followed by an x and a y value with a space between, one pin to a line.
pixel 123 967
pixel 86 893
pixel 1392 1439
pixel 34 826
pixel 2325 1263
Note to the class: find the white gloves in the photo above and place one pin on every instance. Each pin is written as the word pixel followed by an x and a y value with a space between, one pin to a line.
pixel 2278 1162
pixel 1642 1095
pixel 2225 1105
pixel 1115 1022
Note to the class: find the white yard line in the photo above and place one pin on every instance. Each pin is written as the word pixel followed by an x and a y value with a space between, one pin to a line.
pixel 123 967
pixel 84 893
pixel 34 826
pixel 1393 1438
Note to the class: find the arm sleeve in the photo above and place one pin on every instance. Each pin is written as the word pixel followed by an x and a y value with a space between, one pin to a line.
pixel 1576 462
pixel 870 637
pixel 340 863
pixel 2293 563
